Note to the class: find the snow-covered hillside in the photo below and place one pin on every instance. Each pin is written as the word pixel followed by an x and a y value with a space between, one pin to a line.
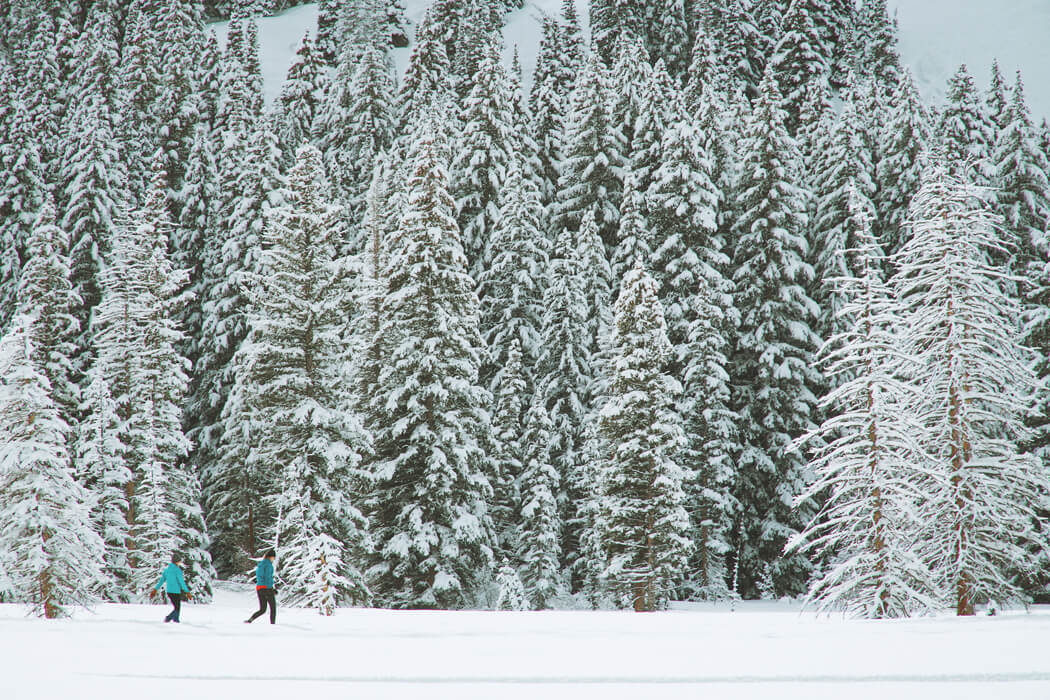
pixel 935 37
pixel 761 651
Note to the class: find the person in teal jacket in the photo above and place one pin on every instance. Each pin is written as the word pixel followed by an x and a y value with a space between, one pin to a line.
pixel 174 583
pixel 264 588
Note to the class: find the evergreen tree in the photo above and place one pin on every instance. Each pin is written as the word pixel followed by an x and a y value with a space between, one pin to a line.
pixel 976 386
pixel 299 100
pixel 591 171
pixel 52 555
pixel 844 167
pixel 997 99
pixel 21 196
pixel 538 536
pixel 867 455
pixel 433 531
pixel 634 237
pixel 799 60
pixel 355 125
pixel 511 289
pixel 712 429
pixel 1023 179
pixel 100 443
pixel 772 374
pixel 46 294
pixel 647 529
pixel 683 203
pixel 229 256
pixel 511 589
pixel 965 132
pixel 297 406
pixel 137 350
pixel 483 158
pixel 510 393
pixel 564 373
pixel 427 82
pixel 904 143
pixel 876 39
pixel 95 189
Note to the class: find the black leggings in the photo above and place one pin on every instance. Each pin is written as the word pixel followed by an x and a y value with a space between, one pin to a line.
pixel 176 600
pixel 266 597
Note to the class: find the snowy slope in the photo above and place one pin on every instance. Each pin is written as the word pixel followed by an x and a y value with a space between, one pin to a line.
pixel 759 652
pixel 936 36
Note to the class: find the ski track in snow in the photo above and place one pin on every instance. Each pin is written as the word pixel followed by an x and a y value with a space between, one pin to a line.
pixel 761 650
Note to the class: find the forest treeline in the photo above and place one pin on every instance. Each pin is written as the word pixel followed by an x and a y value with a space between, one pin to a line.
pixel 712 306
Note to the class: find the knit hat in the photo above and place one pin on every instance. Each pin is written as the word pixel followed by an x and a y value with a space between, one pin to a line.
pixel 176 557
pixel 271 553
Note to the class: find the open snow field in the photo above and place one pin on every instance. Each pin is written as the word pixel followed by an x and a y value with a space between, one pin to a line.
pixel 760 651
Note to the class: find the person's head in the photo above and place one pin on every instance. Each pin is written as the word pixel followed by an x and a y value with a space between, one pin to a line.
pixel 271 555
pixel 176 558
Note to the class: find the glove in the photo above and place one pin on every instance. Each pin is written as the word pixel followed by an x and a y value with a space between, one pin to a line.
pixel 187 595
pixel 152 593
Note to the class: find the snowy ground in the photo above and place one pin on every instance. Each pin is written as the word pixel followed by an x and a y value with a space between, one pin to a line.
pixel 759 651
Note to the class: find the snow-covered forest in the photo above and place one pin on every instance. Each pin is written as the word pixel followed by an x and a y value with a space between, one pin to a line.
pixel 713 306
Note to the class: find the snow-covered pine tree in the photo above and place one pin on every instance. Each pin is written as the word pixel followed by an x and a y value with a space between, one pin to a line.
pixel 102 469
pixel 799 59
pixel 596 280
pixel 198 224
pixel 634 237
pixel 427 82
pixel 299 100
pixel 682 202
pixel 483 158
pixel 772 374
pixel 1023 185
pixel 46 294
pixel 137 347
pixel 433 531
pixel 843 167
pixel 1023 199
pixel 965 132
pixel 22 194
pixel 511 590
pixel 591 171
pixel 52 556
pixel 511 289
pixel 564 372
pixel 295 357
pixel 976 387
pixel 867 455
pixel 711 428
pixel 509 388
pixel 647 529
pixel 355 125
pixel 875 42
pixel 903 145
pixel 94 182
pixel 233 253
pixel 539 531
pixel 997 99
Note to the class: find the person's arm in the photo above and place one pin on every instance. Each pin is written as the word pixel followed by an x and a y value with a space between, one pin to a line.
pixel 160 584
pixel 182 582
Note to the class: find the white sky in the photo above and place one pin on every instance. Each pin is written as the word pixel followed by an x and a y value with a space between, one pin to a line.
pixel 938 35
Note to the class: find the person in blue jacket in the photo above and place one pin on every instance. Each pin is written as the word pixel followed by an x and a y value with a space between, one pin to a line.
pixel 175 584
pixel 264 588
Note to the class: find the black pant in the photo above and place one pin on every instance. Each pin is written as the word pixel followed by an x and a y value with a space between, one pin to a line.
pixel 176 600
pixel 266 597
